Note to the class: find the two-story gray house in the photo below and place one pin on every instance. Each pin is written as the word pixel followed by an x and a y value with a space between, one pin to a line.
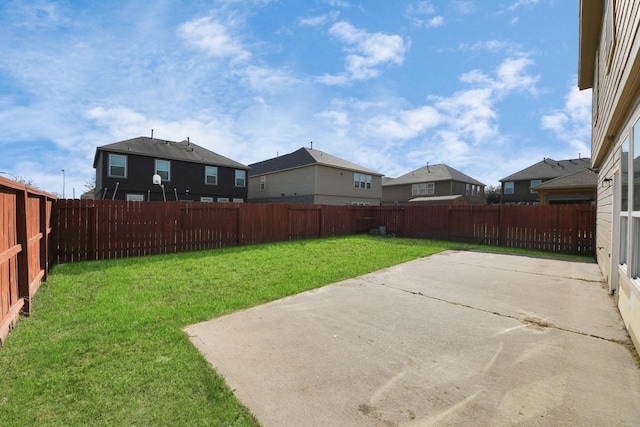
pixel 519 187
pixel 433 184
pixel 186 171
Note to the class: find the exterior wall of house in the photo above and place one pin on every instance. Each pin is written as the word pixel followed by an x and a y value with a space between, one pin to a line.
pixel 521 193
pixel 336 187
pixel 313 184
pixel 401 194
pixel 187 178
pixel 284 186
pixel 616 92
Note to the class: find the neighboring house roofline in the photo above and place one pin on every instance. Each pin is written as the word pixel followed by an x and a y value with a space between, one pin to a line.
pixel 185 151
pixel 549 168
pixel 431 173
pixel 585 178
pixel 305 157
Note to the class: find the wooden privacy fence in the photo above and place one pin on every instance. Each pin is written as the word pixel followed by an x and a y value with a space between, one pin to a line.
pixel 106 229
pixel 569 229
pixel 25 227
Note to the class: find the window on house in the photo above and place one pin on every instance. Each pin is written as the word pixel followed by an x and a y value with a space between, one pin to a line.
pixel 240 178
pixel 431 188
pixel 117 166
pixel 238 200
pixel 206 199
pixel 508 187
pixel 223 199
pixel 135 197
pixel 211 175
pixel 468 189
pixel 419 189
pixel 361 180
pixel 163 168
pixel 624 199
pixel 534 182
pixel 263 182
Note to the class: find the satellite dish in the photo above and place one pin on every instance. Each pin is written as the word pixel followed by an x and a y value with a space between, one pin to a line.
pixel 157 179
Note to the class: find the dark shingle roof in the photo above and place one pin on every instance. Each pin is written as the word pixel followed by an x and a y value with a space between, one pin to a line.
pixel 432 173
pixel 159 148
pixel 584 178
pixel 305 157
pixel 549 168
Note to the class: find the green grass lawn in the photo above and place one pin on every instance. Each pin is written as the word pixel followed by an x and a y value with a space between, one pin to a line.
pixel 104 344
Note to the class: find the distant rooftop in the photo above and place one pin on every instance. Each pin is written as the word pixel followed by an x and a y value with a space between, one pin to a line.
pixel 431 173
pixel 549 168
pixel 163 149
pixel 305 157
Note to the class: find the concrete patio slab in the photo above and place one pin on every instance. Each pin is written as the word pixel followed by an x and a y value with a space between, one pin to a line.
pixel 458 338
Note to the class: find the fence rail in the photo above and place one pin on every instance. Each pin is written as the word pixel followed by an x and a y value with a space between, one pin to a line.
pixel 107 229
pixel 25 228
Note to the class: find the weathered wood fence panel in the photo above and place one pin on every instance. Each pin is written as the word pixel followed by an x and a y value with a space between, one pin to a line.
pixel 25 228
pixel 108 229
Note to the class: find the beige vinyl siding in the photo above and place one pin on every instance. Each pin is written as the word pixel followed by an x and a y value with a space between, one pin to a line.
pixel 299 181
pixel 339 182
pixel 616 83
pixel 604 220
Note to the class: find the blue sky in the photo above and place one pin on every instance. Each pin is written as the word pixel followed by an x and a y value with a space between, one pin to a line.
pixel 486 86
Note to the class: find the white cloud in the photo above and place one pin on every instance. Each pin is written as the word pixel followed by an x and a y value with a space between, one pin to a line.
pixel 215 38
pixel 404 125
pixel 317 21
pixel 522 3
pixel 366 52
pixel 339 3
pixel 265 79
pixel 572 124
pixel 436 21
pixel 423 14
pixel 495 46
pixel 510 75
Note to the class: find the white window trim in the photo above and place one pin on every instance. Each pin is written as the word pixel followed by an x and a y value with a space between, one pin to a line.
pixel 431 188
pixel 244 178
pixel 531 184
pixel 629 220
pixel 223 199
pixel 168 169
pixel 126 169
pixel 513 187
pixel 206 199
pixel 206 175
pixel 131 197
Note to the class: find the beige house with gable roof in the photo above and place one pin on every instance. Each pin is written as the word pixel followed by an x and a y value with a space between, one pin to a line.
pixel 311 176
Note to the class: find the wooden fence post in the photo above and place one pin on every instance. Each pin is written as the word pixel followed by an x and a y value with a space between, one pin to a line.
pixel 23 255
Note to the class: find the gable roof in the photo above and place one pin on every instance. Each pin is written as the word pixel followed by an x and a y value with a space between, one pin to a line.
pixel 185 151
pixel 431 173
pixel 549 168
pixel 585 178
pixel 305 157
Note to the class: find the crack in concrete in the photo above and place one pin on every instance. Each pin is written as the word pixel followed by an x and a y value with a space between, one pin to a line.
pixel 527 320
